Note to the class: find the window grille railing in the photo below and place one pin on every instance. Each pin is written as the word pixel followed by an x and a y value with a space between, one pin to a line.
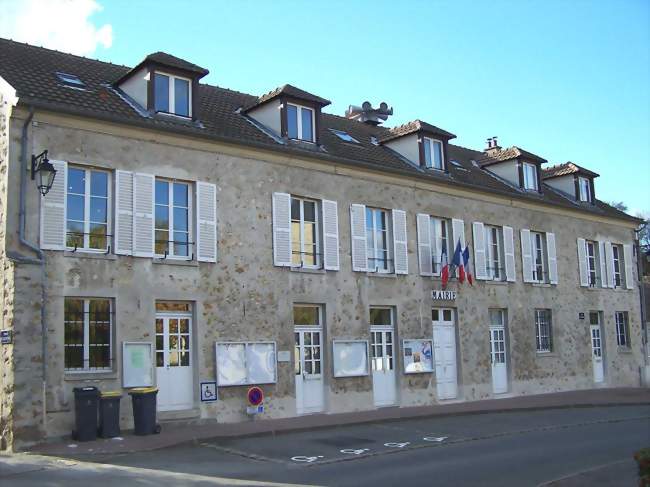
pixel 107 236
pixel 189 256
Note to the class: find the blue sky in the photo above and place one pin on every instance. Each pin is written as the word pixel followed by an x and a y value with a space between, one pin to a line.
pixel 564 80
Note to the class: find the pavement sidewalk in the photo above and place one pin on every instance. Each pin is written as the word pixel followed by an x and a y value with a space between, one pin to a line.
pixel 177 432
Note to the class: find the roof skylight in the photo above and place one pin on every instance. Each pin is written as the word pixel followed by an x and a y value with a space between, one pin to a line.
pixel 70 79
pixel 344 136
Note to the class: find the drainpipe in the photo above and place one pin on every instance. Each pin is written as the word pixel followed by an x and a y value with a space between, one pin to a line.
pixel 24 160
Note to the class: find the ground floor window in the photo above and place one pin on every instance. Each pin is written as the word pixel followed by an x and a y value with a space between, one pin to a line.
pixel 622 329
pixel 87 334
pixel 543 331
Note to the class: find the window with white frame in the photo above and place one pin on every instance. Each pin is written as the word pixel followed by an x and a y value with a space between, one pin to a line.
pixel 87 209
pixel 494 253
pixel 172 94
pixel 543 330
pixel 530 176
pixel 433 154
pixel 378 238
pixel 585 189
pixel 87 334
pixel 593 269
pixel 305 238
pixel 617 257
pixel 622 329
pixel 439 228
pixel 300 123
pixel 172 219
pixel 538 246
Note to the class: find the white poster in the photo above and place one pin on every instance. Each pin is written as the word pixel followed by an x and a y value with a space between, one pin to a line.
pixel 137 364
pixel 350 358
pixel 418 356
pixel 244 363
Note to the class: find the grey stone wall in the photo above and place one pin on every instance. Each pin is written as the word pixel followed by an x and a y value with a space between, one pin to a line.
pixel 244 297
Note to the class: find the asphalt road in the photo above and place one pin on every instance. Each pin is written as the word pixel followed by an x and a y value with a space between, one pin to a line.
pixel 500 449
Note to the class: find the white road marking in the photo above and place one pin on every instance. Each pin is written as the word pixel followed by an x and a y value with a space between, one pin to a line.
pixel 302 458
pixel 438 439
pixel 397 445
pixel 352 451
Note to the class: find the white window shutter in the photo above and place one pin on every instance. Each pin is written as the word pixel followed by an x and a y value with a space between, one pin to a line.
pixel 123 240
pixel 582 262
pixel 330 235
pixel 400 242
pixel 358 233
pixel 53 210
pixel 206 222
pixel 629 266
pixel 480 257
pixel 282 229
pixel 552 258
pixel 458 230
pixel 609 260
pixel 143 211
pixel 509 251
pixel 603 265
pixel 526 255
pixel 424 244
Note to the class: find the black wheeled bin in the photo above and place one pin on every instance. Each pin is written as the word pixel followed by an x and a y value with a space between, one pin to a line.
pixel 85 413
pixel 144 410
pixel 109 414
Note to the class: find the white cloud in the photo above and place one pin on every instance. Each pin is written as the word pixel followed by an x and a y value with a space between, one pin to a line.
pixel 64 25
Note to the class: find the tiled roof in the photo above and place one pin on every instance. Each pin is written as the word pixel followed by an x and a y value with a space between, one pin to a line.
pixel 413 127
pixel 290 91
pixel 566 169
pixel 502 155
pixel 31 71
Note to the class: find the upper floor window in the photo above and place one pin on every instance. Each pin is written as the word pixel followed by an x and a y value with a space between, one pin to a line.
pixel 305 241
pixel 300 123
pixel 87 334
pixel 585 189
pixel 618 265
pixel 593 269
pixel 530 176
pixel 172 219
pixel 538 245
pixel 433 154
pixel 172 94
pixel 622 329
pixel 543 330
pixel 377 240
pixel 87 209
pixel 494 253
pixel 439 228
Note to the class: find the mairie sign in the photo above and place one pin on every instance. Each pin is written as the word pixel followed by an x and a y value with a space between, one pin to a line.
pixel 440 295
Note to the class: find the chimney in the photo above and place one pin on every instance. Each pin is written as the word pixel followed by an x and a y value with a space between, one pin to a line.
pixel 493 146
pixel 366 114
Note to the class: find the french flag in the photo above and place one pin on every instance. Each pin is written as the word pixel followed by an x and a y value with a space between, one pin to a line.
pixel 444 263
pixel 468 272
pixel 458 262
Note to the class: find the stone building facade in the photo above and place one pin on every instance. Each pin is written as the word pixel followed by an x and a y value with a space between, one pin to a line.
pixel 288 289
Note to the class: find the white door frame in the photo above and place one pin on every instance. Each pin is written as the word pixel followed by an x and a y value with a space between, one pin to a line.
pixel 597 349
pixel 446 367
pixel 308 381
pixel 384 378
pixel 499 359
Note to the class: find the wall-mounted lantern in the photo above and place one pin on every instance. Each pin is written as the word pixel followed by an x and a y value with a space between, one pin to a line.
pixel 45 170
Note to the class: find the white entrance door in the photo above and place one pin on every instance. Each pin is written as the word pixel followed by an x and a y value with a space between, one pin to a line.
pixel 596 347
pixel 444 352
pixel 498 351
pixel 174 372
pixel 309 370
pixel 383 366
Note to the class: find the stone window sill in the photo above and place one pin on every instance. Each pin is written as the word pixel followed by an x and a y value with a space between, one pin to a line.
pixel 382 275
pixel 181 262
pixel 89 255
pixel 546 354
pixel 625 350
pixel 496 283
pixel 307 270
pixel 90 375
pixel 541 284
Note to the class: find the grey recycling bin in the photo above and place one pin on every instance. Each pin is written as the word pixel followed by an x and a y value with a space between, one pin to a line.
pixel 144 410
pixel 85 413
pixel 109 414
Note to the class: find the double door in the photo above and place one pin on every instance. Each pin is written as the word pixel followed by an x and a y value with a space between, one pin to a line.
pixel 309 370
pixel 383 366
pixel 444 352
pixel 174 368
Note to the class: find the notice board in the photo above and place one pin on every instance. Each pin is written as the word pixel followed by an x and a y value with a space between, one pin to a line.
pixel 137 364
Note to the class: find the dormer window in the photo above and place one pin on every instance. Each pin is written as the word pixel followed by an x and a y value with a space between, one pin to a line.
pixel 172 94
pixel 300 122
pixel 584 186
pixel 530 176
pixel 433 154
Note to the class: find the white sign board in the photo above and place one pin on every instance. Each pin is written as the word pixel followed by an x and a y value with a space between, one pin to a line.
pixel 284 356
pixel 418 356
pixel 440 295
pixel 243 363
pixel 350 358
pixel 137 364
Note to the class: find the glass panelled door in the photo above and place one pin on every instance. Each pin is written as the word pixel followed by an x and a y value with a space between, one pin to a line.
pixel 174 370
pixel 444 349
pixel 309 370
pixel 383 366
pixel 596 347
pixel 498 351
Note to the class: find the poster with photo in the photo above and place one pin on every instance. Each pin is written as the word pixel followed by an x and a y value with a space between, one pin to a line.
pixel 418 356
